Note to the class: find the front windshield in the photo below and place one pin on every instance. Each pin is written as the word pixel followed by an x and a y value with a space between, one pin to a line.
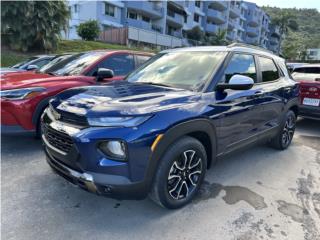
pixel 53 62
pixel 186 70
pixel 74 65
pixel 18 65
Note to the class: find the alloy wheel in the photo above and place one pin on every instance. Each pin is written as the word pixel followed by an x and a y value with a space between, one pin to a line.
pixel 184 175
pixel 288 131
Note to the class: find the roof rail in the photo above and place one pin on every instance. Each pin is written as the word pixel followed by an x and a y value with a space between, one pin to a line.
pixel 248 45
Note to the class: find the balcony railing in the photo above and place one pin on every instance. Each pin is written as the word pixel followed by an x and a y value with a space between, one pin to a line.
pixel 152 9
pixel 213 28
pixel 175 18
pixel 139 24
pixel 219 16
pixel 253 31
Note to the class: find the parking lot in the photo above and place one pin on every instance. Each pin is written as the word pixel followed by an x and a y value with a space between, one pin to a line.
pixel 259 193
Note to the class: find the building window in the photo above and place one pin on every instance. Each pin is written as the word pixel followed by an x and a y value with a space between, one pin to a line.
pixel 197 3
pixel 76 8
pixel 109 10
pixel 185 18
pixel 196 18
pixel 145 19
pixel 132 15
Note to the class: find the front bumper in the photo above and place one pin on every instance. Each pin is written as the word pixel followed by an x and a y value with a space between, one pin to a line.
pixel 102 184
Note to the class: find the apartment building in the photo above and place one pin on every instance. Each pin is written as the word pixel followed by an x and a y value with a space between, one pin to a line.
pixel 164 23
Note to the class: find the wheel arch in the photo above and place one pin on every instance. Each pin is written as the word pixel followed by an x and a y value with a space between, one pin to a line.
pixel 201 129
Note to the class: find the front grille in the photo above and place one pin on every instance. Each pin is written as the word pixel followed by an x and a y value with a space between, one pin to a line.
pixel 57 139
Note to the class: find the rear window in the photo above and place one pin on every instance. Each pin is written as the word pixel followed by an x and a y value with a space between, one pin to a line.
pixel 313 70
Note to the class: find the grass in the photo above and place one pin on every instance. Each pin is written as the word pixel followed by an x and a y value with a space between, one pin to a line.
pixel 9 58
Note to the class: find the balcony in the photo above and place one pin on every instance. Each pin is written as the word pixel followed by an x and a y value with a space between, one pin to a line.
pixel 252 40
pixel 231 35
pixel 217 16
pixel 232 23
pixel 212 28
pixel 176 34
pixel 275 30
pixel 149 9
pixel 252 31
pixel 253 20
pixel 139 24
pixel 235 10
pixel 175 19
pixel 219 5
pixel 274 41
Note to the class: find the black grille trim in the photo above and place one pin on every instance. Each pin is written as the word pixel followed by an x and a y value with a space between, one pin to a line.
pixel 59 140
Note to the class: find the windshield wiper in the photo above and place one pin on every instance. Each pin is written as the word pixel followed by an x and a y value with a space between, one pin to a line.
pixel 52 73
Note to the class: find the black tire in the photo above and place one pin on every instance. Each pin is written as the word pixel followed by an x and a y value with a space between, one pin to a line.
pixel 284 137
pixel 180 173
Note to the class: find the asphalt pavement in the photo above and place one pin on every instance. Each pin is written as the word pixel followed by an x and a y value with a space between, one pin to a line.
pixel 258 193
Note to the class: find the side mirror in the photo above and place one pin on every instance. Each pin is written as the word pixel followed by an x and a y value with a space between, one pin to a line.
pixel 32 67
pixel 237 82
pixel 104 73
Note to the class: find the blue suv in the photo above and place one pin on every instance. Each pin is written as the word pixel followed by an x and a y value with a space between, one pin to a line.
pixel 157 132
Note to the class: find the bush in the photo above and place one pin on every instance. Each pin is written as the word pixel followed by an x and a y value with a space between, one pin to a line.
pixel 195 33
pixel 33 25
pixel 89 30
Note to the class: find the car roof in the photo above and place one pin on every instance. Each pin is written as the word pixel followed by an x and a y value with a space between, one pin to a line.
pixel 108 51
pixel 308 65
pixel 230 48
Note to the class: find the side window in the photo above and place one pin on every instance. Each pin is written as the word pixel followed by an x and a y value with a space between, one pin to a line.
pixel 120 64
pixel 241 64
pixel 141 59
pixel 269 70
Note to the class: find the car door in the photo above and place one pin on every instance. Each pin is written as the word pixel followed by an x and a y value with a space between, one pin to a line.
pixel 272 89
pixel 121 64
pixel 238 109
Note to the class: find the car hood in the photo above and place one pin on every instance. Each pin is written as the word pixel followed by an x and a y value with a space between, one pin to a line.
pixel 23 80
pixel 121 98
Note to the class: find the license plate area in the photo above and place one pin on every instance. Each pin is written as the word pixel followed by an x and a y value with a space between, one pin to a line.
pixel 311 102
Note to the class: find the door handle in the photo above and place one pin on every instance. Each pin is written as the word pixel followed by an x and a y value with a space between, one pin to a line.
pixel 258 93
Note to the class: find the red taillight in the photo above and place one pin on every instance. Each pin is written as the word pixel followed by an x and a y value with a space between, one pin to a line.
pixel 313 89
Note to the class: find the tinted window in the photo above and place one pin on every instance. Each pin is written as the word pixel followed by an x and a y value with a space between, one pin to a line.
pixel 120 64
pixel 141 59
pixel 18 65
pixel 241 64
pixel 315 70
pixel 75 64
pixel 269 70
pixel 41 62
pixel 187 70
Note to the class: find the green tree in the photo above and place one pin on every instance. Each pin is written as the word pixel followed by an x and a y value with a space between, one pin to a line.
pixel 285 21
pixel 195 33
pixel 89 30
pixel 218 38
pixel 27 25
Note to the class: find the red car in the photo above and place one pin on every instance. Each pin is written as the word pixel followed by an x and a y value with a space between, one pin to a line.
pixel 309 77
pixel 25 95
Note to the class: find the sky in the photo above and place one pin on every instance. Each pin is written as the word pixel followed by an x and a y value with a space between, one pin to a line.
pixel 289 3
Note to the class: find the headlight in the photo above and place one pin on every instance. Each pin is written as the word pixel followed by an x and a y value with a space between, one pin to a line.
pixel 22 93
pixel 114 149
pixel 117 121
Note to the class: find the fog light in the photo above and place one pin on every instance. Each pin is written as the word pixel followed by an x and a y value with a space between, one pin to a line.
pixel 114 149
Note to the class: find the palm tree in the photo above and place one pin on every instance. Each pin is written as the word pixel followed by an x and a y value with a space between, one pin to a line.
pixel 218 38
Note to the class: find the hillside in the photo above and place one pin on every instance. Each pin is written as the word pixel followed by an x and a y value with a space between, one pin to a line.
pixel 306 36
